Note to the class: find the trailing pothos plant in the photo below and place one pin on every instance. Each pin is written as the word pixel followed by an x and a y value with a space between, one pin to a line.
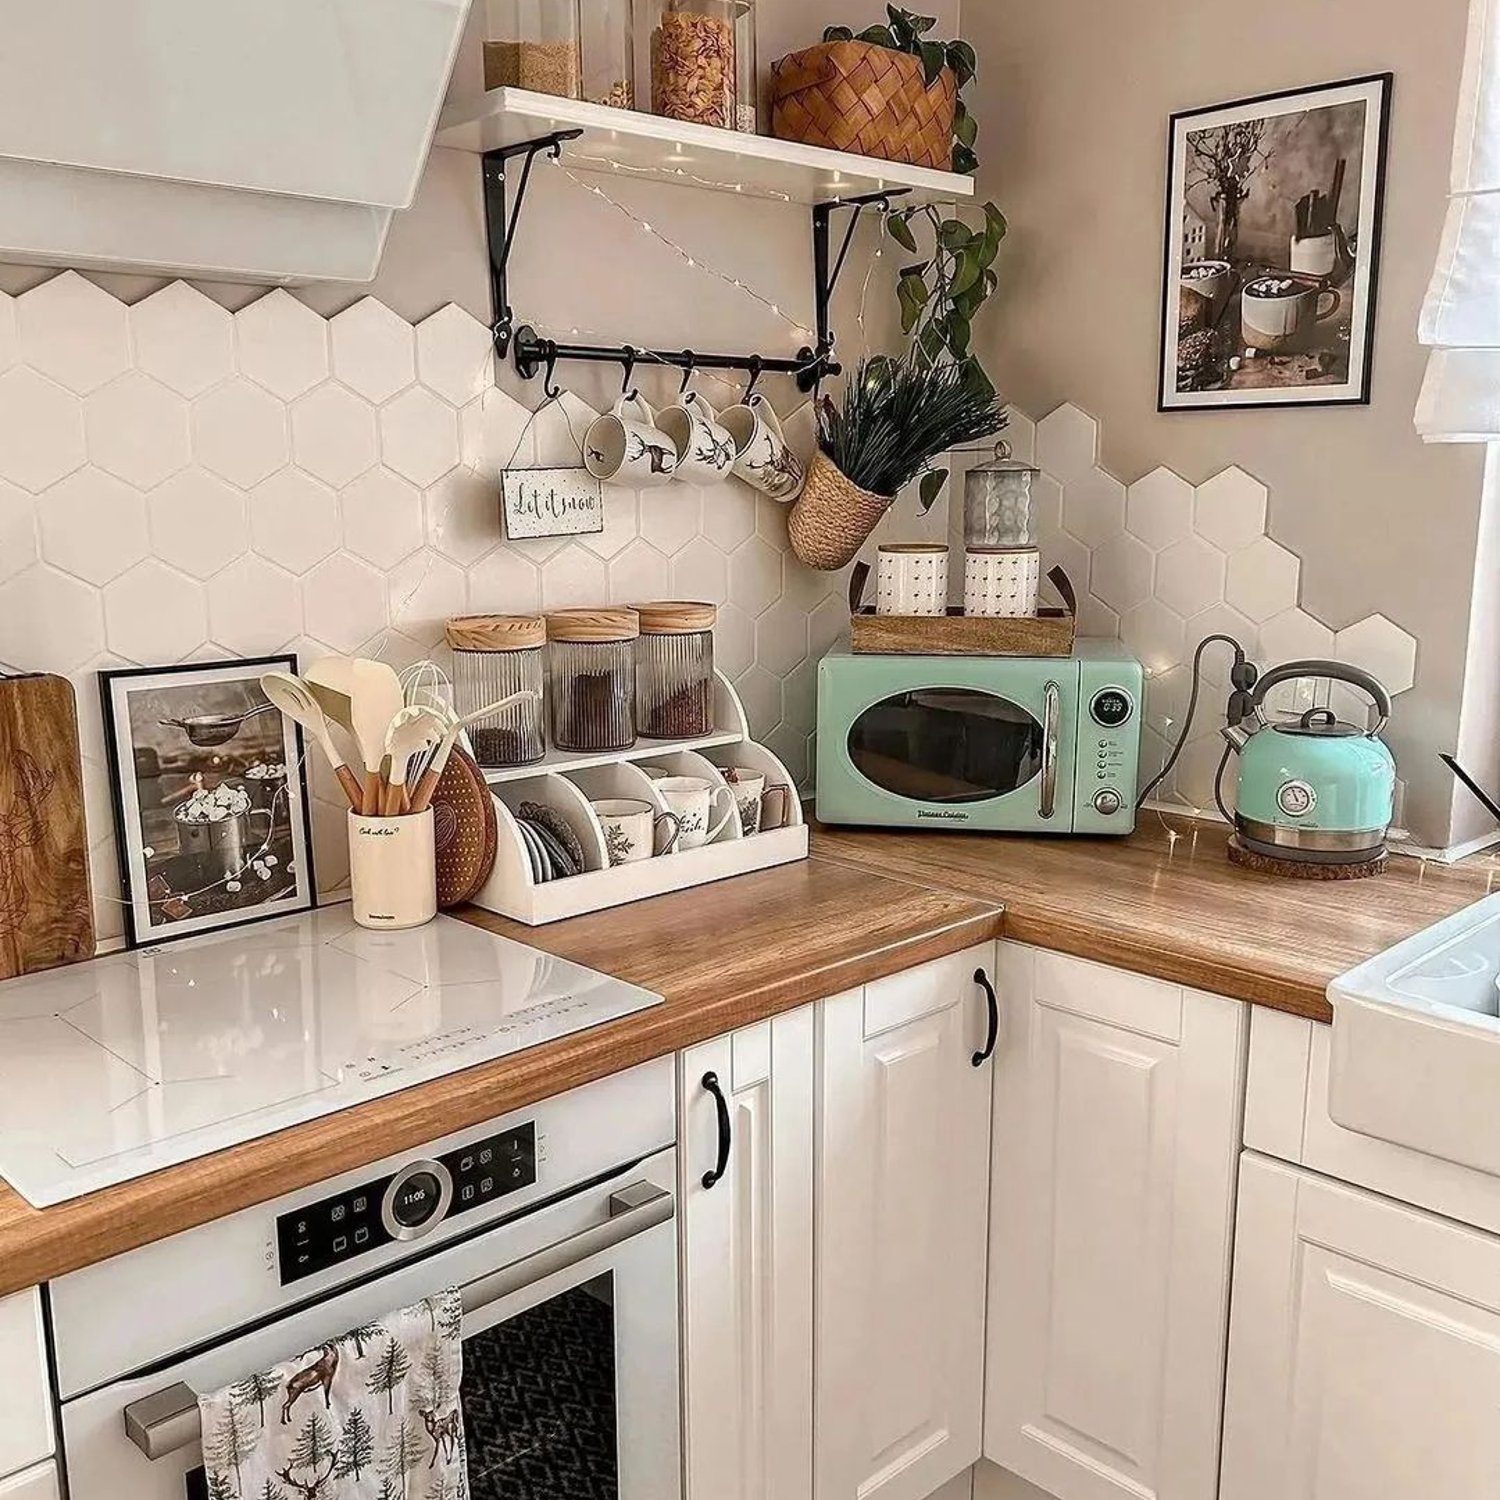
pixel 907 32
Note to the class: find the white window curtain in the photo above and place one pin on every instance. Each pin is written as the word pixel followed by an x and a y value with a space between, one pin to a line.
pixel 1460 399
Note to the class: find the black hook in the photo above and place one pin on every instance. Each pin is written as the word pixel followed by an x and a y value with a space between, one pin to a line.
pixel 549 389
pixel 756 366
pixel 632 356
pixel 687 374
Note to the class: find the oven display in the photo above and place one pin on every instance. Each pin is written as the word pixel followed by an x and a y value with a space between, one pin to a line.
pixel 333 1230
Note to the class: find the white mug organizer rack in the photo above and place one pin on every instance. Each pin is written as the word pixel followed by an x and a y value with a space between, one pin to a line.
pixel 569 783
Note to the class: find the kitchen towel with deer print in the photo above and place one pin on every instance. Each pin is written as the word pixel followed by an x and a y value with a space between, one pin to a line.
pixel 372 1416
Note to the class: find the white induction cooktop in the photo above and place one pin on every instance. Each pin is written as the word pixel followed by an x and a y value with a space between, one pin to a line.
pixel 116 1068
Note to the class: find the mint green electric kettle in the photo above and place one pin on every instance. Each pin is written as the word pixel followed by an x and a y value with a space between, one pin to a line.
pixel 1314 790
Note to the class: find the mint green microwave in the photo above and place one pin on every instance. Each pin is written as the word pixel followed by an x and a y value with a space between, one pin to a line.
pixel 1009 744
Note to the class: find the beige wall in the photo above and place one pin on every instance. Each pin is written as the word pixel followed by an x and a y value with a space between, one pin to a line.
pixel 1073 99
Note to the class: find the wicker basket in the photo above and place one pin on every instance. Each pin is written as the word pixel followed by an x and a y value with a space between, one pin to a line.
pixel 832 517
pixel 855 96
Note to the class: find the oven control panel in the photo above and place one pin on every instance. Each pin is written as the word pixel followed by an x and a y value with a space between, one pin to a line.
pixel 404 1205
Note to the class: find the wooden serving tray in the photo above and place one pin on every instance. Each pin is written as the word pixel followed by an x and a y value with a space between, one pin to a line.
pixel 1050 632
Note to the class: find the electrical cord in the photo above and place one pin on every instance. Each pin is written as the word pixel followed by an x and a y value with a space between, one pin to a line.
pixel 1242 676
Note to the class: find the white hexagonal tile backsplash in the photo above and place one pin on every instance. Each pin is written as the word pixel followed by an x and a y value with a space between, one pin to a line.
pixel 1161 564
pixel 180 482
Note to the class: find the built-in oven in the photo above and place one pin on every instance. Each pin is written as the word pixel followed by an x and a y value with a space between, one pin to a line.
pixel 556 1225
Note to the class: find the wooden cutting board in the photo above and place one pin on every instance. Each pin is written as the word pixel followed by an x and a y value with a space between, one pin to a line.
pixel 46 908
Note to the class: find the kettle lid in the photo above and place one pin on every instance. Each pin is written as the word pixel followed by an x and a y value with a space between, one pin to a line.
pixel 1321 723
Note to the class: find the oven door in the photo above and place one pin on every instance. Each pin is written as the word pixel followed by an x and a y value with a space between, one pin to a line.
pixel 960 753
pixel 570 1385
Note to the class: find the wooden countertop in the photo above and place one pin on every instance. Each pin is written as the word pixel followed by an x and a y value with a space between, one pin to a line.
pixel 1168 903
pixel 723 956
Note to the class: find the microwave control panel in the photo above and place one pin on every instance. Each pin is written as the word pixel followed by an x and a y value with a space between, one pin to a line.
pixel 403 1205
pixel 1109 745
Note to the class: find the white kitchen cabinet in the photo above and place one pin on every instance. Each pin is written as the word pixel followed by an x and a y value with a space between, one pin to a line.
pixel 25 1406
pixel 39 1483
pixel 1364 1352
pixel 747 1262
pixel 1116 1138
pixel 902 1194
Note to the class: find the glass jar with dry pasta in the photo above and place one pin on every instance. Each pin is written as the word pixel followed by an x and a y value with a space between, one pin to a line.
pixel 674 670
pixel 694 72
pixel 591 678
pixel 495 656
pixel 534 44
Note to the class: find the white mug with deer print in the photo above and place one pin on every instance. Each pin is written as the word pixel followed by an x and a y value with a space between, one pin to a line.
pixel 705 450
pixel 763 457
pixel 626 447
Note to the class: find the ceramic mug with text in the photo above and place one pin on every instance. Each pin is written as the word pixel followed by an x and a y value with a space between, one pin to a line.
pixel 694 800
pixel 763 457
pixel 705 451
pixel 626 447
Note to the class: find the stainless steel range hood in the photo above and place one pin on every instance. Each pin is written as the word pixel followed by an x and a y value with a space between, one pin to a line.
pixel 253 140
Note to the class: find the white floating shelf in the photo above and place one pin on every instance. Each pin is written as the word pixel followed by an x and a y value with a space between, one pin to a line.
pixel 627 143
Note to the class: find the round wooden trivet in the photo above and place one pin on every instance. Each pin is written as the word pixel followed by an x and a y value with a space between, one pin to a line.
pixel 1297 869
pixel 465 830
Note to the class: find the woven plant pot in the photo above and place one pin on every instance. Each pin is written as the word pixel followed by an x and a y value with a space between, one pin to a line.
pixel 855 96
pixel 832 518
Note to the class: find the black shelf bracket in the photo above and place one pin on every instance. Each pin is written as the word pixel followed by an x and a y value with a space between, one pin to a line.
pixel 532 353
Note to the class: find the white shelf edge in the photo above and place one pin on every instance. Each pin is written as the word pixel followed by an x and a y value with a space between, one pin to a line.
pixel 556 760
pixel 689 155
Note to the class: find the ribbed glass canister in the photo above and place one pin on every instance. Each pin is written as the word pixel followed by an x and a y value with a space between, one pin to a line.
pixel 674 670
pixel 591 678
pixel 493 657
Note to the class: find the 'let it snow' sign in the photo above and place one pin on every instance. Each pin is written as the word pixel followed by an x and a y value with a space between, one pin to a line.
pixel 551 502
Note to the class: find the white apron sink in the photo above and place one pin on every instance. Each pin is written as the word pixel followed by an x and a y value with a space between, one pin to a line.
pixel 1416 1041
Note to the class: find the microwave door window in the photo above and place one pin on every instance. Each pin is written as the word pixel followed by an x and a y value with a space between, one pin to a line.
pixel 539 1401
pixel 947 745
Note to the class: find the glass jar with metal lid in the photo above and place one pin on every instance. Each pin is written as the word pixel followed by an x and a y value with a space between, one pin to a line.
pixel 999 506
pixel 495 656
pixel 591 678
pixel 674 668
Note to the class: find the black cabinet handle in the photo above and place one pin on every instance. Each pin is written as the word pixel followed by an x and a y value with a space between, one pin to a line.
pixel 721 1104
pixel 980 1058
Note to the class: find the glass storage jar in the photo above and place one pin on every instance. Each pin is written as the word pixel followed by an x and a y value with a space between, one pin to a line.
pixel 674 670
pixel 493 657
pixel 534 44
pixel 999 506
pixel 608 41
pixel 746 70
pixel 693 68
pixel 591 678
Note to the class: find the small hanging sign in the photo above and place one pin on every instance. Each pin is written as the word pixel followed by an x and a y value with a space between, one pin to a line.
pixel 551 502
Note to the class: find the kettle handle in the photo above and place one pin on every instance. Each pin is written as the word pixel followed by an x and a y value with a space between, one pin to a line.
pixel 1336 670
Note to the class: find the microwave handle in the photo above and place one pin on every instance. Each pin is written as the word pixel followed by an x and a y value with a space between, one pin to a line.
pixel 167 1420
pixel 1051 715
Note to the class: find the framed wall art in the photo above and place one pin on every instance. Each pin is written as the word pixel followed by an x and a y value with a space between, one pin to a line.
pixel 1272 248
pixel 210 798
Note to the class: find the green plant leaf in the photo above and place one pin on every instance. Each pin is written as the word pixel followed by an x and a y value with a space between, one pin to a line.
pixel 965 126
pixel 934 60
pixel 901 29
pixel 962 60
pixel 932 486
pixel 956 326
pixel 967 276
pixel 900 230
pixel 955 235
pixel 881 36
pixel 964 161
pixel 838 34
pixel 995 220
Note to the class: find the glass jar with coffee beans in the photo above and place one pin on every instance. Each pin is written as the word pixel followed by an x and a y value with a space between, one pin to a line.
pixel 591 678
pixel 493 657
pixel 674 670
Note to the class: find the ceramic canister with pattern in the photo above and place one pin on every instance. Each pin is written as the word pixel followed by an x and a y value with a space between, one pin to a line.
pixel 1001 581
pixel 911 578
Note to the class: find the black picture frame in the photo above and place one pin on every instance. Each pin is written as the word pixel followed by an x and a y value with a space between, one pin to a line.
pixel 1362 278
pixel 130 845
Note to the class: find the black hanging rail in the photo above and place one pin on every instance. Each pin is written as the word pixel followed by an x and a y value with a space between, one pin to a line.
pixel 533 353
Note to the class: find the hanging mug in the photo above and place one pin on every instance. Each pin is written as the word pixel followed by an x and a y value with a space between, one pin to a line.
pixel 629 450
pixel 705 451
pixel 763 457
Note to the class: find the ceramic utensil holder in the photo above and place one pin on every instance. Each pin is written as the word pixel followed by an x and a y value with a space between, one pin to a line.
pixel 393 870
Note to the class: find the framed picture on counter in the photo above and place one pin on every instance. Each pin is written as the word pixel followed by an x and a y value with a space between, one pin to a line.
pixel 1272 248
pixel 210 798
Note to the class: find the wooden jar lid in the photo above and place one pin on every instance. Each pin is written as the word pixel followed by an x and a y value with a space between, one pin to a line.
pixel 597 625
pixel 496 632
pixel 676 617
